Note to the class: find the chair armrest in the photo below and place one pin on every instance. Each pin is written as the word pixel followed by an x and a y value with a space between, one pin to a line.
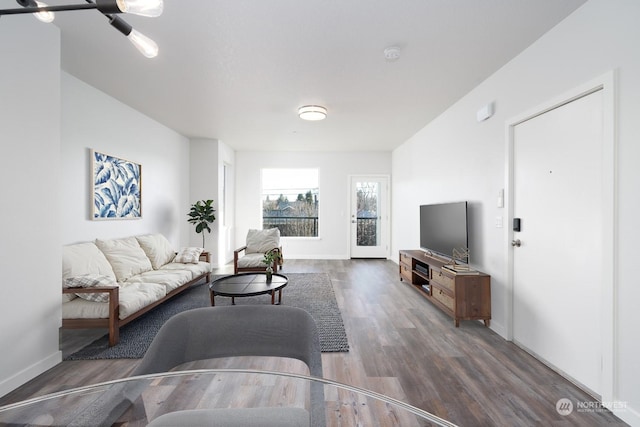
pixel 235 258
pixel 281 260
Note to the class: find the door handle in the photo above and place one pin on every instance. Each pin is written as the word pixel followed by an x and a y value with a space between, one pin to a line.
pixel 517 243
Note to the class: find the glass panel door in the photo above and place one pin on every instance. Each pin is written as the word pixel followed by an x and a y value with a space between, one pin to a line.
pixel 369 217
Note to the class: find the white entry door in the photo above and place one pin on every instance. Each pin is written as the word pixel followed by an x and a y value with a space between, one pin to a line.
pixel 557 254
pixel 369 217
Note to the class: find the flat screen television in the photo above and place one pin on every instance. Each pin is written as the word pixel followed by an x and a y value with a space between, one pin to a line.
pixel 443 227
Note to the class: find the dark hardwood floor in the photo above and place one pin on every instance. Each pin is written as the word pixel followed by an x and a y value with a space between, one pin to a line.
pixel 401 346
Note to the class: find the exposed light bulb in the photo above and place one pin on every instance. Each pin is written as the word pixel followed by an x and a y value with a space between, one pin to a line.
pixel 150 8
pixel 44 16
pixel 144 44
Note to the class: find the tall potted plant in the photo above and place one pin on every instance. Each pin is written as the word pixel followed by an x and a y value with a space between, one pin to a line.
pixel 201 215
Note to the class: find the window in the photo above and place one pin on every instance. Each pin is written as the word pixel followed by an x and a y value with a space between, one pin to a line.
pixel 290 201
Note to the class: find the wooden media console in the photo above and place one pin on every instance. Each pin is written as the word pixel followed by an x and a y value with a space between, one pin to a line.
pixel 462 295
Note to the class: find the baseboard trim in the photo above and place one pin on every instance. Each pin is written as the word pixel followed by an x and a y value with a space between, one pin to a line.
pixel 627 414
pixel 29 373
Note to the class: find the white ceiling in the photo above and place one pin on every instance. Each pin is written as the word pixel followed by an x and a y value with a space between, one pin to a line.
pixel 237 70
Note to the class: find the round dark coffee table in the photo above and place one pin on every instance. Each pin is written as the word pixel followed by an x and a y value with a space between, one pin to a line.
pixel 248 285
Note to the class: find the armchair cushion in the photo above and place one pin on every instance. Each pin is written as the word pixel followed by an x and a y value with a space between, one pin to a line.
pixel 261 241
pixel 251 261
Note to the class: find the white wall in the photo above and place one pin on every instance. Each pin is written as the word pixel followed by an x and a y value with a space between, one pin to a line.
pixel 467 160
pixel 94 120
pixel 51 165
pixel 204 177
pixel 334 170
pixel 208 157
pixel 30 214
pixel 226 224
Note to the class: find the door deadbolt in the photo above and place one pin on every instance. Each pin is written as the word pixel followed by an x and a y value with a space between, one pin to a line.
pixel 517 243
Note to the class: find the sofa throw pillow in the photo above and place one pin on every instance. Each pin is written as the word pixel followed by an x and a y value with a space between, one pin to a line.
pixel 125 256
pixel 188 255
pixel 158 249
pixel 261 241
pixel 83 258
pixel 91 281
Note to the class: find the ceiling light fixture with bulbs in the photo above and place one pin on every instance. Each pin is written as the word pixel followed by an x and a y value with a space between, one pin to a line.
pixel 150 8
pixel 312 112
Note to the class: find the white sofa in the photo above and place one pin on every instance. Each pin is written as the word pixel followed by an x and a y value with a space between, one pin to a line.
pixel 108 283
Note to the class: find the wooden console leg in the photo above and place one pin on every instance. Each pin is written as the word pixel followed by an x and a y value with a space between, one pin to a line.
pixel 487 322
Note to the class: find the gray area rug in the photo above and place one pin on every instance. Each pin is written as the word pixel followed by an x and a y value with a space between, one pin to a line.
pixel 312 292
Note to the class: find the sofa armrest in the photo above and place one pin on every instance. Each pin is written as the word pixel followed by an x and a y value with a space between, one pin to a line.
pixel 96 289
pixel 114 308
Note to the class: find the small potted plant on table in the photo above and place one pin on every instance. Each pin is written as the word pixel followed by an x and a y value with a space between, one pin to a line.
pixel 271 257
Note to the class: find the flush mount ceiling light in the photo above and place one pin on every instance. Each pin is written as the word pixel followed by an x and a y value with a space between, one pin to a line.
pixel 150 8
pixel 312 112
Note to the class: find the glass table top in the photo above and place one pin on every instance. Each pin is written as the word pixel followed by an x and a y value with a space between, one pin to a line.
pixel 216 397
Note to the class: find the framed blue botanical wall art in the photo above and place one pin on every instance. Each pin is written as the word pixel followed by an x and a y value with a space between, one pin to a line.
pixel 117 186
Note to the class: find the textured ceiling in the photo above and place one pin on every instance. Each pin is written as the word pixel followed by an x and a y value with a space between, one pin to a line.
pixel 237 70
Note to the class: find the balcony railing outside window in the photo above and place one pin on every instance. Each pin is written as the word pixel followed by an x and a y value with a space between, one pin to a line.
pixel 298 226
pixel 367 231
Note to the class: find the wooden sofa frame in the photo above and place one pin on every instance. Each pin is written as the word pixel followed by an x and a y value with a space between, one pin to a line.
pixel 113 322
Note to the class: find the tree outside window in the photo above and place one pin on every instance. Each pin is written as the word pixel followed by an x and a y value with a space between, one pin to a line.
pixel 290 201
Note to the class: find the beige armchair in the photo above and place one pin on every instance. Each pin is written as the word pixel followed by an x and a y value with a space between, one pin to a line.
pixel 258 243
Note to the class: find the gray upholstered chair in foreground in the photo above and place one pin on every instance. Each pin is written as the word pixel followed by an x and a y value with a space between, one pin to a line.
pixel 214 332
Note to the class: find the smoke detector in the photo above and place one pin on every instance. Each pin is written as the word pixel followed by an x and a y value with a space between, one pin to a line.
pixel 392 53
